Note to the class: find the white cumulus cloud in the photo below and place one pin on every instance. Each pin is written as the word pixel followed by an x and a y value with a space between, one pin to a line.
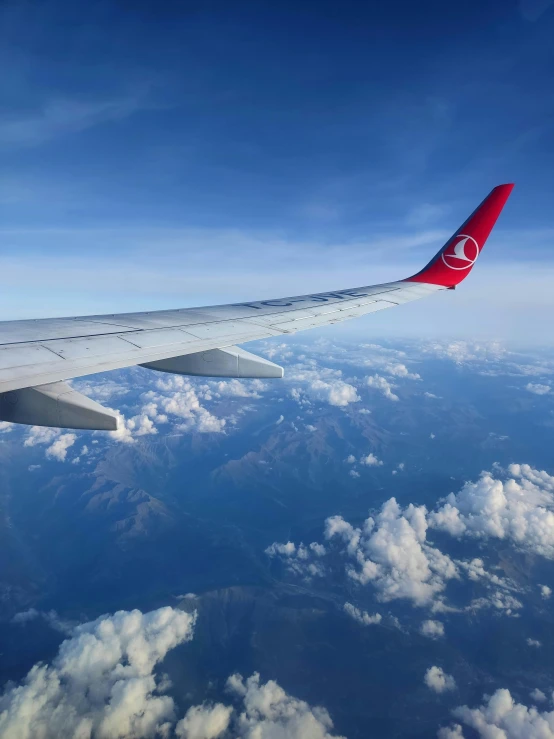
pixel 321 384
pixel 177 397
pixel 139 425
pixel 438 680
pixel 238 388
pixel 501 716
pixel 383 385
pixel 392 552
pixel 371 460
pixel 58 450
pixel 301 560
pixel 432 629
pixel 537 389
pixel 287 550
pixel 362 617
pixel 204 722
pixel 519 508
pixel 400 370
pixel 59 442
pixel 102 681
pixel 334 392
pixel 40 435
pixel 270 713
pixel 451 732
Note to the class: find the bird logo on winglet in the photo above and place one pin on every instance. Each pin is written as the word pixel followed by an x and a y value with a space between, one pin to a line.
pixel 462 253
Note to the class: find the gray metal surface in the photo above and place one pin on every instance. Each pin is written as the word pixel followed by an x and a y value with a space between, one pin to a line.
pixel 50 350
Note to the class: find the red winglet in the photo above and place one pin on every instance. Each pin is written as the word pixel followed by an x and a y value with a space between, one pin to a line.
pixel 454 261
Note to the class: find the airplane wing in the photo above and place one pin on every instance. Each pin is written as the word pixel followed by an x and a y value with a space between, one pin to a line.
pixel 37 357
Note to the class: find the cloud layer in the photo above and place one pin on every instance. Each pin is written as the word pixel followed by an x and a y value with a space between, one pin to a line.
pixel 102 681
pixel 519 509
pixel 392 552
pixel 265 711
pixel 500 716
pixel 104 684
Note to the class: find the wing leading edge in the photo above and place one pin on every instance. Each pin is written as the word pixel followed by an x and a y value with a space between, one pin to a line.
pixel 41 355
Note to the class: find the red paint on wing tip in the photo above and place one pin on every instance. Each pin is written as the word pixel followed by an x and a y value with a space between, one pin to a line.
pixel 455 260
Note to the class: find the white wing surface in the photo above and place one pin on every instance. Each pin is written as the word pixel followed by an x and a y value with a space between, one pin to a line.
pixel 38 356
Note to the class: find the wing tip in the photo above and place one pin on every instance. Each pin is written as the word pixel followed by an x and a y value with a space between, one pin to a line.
pixel 455 260
pixel 506 187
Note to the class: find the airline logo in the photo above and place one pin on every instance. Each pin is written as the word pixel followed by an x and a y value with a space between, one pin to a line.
pixel 462 253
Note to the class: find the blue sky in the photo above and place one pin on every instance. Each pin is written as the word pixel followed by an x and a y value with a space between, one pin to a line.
pixel 166 154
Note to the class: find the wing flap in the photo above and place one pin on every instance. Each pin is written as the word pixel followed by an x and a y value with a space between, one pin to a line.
pixel 22 355
pixel 228 329
pixel 17 332
pixel 155 319
pixel 162 337
pixel 92 346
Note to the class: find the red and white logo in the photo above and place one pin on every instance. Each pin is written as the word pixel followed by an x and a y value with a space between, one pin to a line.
pixel 462 252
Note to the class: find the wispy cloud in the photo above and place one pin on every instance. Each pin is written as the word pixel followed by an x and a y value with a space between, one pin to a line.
pixel 62 116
